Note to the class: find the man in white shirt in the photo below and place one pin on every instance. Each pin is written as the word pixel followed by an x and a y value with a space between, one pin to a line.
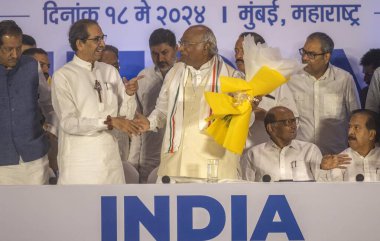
pixel 373 96
pixel 282 157
pixel 325 96
pixel 281 96
pixel 364 154
pixel 84 93
pixel 145 151
pixel 182 107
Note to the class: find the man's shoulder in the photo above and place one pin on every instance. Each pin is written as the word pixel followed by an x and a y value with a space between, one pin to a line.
pixel 340 72
pixel 26 60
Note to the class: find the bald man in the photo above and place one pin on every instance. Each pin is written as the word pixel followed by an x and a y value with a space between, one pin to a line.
pixel 282 157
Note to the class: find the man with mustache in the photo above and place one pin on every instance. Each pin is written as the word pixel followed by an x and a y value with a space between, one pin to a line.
pixel 282 157
pixel 281 96
pixel 364 154
pixel 23 144
pixel 145 150
pixel 325 96
pixel 85 94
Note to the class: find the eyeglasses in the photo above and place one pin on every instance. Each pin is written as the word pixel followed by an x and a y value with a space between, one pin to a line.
pixel 310 55
pixel 288 122
pixel 187 44
pixel 97 39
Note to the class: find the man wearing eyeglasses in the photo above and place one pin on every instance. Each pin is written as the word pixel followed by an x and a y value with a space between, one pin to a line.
pixel 87 95
pixel 280 96
pixel 23 144
pixel 282 157
pixel 182 107
pixel 325 95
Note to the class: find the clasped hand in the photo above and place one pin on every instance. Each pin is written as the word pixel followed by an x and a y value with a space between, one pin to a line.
pixel 138 125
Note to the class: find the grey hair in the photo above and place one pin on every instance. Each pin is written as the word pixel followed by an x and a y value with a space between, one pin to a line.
pixel 326 42
pixel 210 38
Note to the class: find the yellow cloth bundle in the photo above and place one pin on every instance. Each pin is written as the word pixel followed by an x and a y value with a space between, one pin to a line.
pixel 230 115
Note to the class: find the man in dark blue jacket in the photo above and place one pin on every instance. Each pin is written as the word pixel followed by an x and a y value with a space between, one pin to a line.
pixel 23 144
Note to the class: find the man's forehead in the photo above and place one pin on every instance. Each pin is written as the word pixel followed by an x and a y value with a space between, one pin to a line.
pixel 160 47
pixel 11 39
pixel 41 57
pixel 193 34
pixel 312 44
pixel 358 119
pixel 280 113
pixel 94 30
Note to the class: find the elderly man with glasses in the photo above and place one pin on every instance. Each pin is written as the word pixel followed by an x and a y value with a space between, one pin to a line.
pixel 282 157
pixel 182 107
pixel 325 96
pixel 87 95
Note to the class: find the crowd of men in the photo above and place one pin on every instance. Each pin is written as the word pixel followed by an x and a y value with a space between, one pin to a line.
pixel 88 125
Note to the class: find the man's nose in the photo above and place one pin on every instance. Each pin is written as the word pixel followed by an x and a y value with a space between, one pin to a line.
pixel 239 54
pixel 161 58
pixel 14 53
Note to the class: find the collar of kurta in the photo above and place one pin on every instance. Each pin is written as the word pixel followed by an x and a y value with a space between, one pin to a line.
pixel 327 75
pixel 270 143
pixel 370 153
pixel 84 64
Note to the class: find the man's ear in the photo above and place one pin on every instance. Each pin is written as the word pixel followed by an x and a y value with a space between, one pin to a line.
pixel 372 135
pixel 327 57
pixel 79 43
pixel 206 48
pixel 269 128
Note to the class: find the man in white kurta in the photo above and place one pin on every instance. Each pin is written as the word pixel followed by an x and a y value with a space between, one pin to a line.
pixel 145 151
pixel 282 157
pixel 182 107
pixel 373 96
pixel 364 154
pixel 88 151
pixel 325 96
pixel 368 166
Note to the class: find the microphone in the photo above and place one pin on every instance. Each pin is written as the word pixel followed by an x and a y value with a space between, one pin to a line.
pixel 359 177
pixel 266 178
pixel 165 179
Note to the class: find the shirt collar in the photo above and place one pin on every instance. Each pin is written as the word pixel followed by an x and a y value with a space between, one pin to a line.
pixel 205 66
pixel 292 145
pixel 327 75
pixel 83 64
pixel 363 157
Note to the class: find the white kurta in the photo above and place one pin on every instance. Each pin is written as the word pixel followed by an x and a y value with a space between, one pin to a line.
pixel 368 166
pixel 324 106
pixel 299 161
pixel 88 152
pixel 145 149
pixel 194 146
pixel 373 96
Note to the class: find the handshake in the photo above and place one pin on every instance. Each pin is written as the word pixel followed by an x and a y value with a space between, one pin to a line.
pixel 138 125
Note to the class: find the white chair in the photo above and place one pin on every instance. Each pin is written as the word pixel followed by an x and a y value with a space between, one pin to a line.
pixel 152 178
pixel 130 173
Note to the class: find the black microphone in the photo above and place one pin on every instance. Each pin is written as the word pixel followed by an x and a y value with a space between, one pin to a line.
pixel 359 178
pixel 266 178
pixel 165 179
